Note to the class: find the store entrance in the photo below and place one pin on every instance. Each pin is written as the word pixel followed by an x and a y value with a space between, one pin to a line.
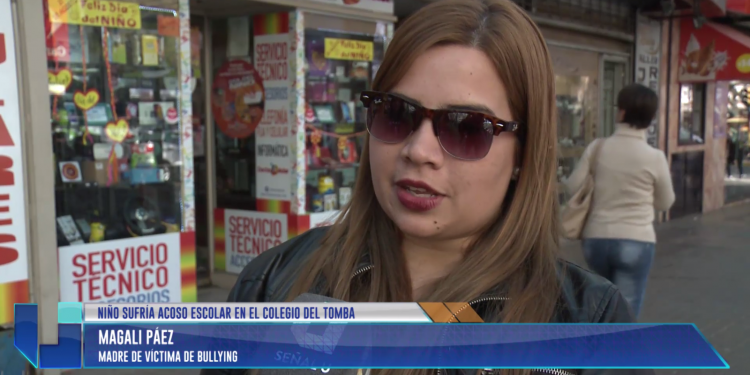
pixel 224 162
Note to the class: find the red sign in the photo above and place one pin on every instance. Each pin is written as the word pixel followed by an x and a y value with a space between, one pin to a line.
pixel 238 99
pixel 58 45
pixel 739 6
pixel 172 116
pixel 713 53
pixel 168 25
pixel 273 170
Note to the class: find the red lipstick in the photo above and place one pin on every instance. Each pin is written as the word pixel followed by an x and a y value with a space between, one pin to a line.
pixel 417 196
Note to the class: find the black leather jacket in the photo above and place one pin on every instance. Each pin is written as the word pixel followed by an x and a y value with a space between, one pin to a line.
pixel 588 298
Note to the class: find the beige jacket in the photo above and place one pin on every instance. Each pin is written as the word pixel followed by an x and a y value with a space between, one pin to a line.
pixel 632 179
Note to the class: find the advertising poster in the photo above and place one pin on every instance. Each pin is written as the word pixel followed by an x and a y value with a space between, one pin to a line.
pixel 712 53
pixel 273 139
pixel 58 44
pixel 134 270
pixel 648 51
pixel 248 234
pixel 237 99
pixel 14 286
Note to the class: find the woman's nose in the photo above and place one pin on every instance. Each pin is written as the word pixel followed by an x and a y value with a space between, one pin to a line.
pixel 423 147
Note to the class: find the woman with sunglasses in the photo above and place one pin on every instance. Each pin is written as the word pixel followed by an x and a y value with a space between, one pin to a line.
pixel 456 199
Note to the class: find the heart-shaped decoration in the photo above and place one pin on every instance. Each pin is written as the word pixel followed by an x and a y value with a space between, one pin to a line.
pixel 117 131
pixel 86 101
pixel 63 77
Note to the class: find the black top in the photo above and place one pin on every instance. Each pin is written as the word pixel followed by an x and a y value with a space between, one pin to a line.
pixel 585 297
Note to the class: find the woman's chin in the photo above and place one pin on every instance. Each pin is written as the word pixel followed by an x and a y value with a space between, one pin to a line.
pixel 419 228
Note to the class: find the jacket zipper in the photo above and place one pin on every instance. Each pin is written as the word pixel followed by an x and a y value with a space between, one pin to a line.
pixel 362 270
pixel 478 300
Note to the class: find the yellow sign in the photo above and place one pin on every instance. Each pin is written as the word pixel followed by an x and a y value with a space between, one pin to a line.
pixel 743 63
pixel 62 77
pixel 117 131
pixel 346 49
pixel 87 100
pixel 115 14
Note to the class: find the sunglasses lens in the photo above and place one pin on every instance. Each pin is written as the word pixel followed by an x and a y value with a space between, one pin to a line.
pixel 466 136
pixel 389 120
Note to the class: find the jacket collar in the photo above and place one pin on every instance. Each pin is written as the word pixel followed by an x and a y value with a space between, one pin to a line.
pixel 626 130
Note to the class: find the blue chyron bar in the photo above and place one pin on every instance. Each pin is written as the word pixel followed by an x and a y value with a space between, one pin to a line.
pixel 359 345
pixel 66 354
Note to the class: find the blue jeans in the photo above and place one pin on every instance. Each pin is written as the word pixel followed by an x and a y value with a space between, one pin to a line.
pixel 626 263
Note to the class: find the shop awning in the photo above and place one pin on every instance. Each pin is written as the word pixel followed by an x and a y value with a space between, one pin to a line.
pixel 713 53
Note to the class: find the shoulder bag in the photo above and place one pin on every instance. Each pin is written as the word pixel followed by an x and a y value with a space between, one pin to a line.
pixel 576 211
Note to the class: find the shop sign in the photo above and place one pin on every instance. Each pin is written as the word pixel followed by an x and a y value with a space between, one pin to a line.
pixel 104 13
pixel 380 6
pixel 249 234
pixel 238 99
pixel 713 53
pixel 648 53
pixel 133 270
pixel 273 138
pixel 346 49
pixel 13 251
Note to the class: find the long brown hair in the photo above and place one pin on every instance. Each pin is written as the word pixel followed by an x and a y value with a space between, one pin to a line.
pixel 519 250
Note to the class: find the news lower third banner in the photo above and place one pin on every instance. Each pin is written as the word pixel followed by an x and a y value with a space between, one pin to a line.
pixel 344 335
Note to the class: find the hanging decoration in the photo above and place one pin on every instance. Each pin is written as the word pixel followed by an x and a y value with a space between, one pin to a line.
pixel 117 130
pixel 86 135
pixel 60 77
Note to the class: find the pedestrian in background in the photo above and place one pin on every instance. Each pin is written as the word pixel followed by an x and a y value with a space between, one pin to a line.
pixel 631 180
pixel 736 150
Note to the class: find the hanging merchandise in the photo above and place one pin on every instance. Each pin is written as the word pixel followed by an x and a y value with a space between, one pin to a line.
pixel 238 99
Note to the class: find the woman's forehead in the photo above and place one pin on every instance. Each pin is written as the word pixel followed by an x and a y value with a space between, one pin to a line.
pixel 455 76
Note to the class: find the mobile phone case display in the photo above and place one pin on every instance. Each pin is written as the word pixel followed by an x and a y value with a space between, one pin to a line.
pixel 115 73
pixel 309 141
pixel 339 67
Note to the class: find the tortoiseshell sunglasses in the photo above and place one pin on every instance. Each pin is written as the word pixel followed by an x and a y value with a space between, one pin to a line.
pixel 465 135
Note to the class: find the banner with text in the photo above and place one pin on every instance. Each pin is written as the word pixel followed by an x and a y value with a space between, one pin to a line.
pixel 273 138
pixel 104 13
pixel 14 286
pixel 248 234
pixel 133 270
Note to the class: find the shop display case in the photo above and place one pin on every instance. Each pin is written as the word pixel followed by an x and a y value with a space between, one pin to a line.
pixel 339 66
pixel 118 112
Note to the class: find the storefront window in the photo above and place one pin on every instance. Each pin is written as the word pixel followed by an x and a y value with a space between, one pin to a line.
pixel 574 112
pixel 339 67
pixel 614 81
pixel 114 75
pixel 692 116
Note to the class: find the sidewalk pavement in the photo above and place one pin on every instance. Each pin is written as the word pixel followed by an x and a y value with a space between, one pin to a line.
pixel 701 275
